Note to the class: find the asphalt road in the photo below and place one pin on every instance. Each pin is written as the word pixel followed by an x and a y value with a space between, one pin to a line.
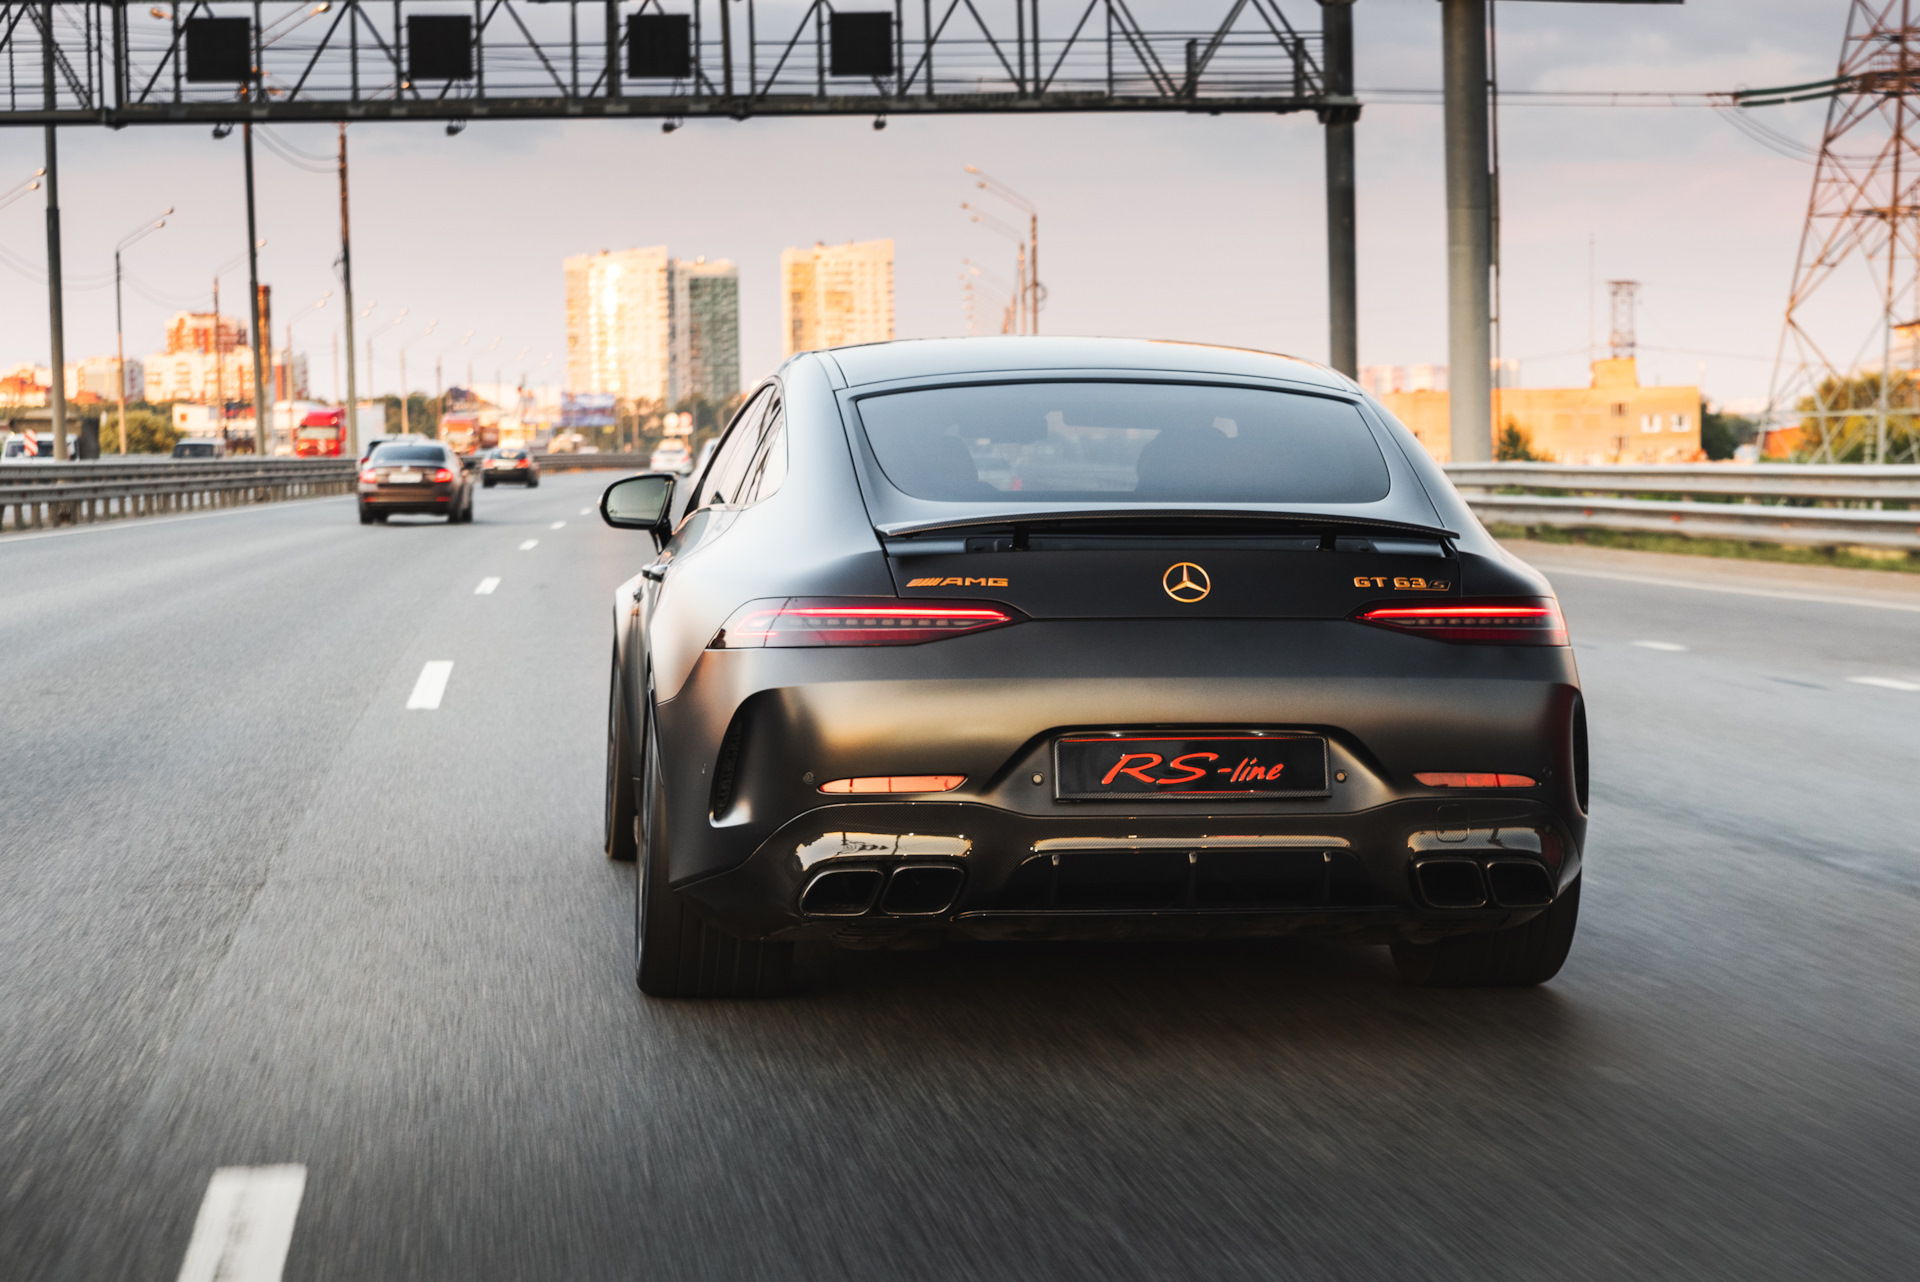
pixel 254 910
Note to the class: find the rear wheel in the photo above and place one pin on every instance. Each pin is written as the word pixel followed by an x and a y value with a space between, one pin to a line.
pixel 366 517
pixel 1517 957
pixel 678 953
pixel 487 483
pixel 533 482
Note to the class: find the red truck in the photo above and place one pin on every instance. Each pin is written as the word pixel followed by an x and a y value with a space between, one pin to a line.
pixel 321 434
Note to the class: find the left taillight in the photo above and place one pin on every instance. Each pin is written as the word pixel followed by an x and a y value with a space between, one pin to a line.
pixel 1487 621
pixel 815 621
pixel 442 475
pixel 370 477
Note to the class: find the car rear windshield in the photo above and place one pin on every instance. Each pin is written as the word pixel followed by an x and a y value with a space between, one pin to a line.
pixel 1123 442
pixel 408 454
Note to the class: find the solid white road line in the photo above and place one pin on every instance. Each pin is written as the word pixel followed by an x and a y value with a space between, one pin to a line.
pixel 1887 683
pixel 557 525
pixel 1695 585
pixel 245 1224
pixel 530 545
pixel 431 685
pixel 1671 646
pixel 487 585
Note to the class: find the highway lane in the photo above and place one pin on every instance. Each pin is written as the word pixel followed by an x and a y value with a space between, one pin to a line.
pixel 253 910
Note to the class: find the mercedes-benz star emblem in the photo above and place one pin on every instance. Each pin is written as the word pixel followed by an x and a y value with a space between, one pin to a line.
pixel 1186 582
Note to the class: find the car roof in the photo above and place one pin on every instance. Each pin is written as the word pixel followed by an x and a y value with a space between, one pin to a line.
pixel 937 357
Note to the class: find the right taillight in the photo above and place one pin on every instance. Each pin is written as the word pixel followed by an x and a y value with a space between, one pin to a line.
pixel 1486 621
pixel 827 621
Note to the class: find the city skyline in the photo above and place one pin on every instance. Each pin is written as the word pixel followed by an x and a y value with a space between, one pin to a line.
pixel 1710 226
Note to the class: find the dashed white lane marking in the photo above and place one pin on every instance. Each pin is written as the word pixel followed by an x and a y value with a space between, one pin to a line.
pixel 530 545
pixel 245 1224
pixel 431 685
pixel 557 525
pixel 1671 646
pixel 487 585
pixel 586 511
pixel 1887 683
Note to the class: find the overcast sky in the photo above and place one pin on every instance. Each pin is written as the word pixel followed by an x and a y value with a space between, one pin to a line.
pixel 1170 226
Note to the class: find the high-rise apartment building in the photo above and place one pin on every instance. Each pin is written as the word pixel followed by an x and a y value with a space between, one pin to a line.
pixel 832 295
pixel 619 331
pixel 705 360
pixel 207 357
pixel 644 326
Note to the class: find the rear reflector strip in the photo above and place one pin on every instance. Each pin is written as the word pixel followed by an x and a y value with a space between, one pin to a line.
pixel 1511 621
pixel 1449 779
pixel 813 621
pixel 895 783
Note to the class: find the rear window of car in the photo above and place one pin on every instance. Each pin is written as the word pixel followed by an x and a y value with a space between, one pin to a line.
pixel 409 454
pixel 1097 441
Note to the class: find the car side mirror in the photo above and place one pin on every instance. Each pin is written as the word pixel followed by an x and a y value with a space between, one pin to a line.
pixel 643 502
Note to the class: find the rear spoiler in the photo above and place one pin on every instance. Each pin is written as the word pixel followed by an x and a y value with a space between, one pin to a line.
pixel 1156 516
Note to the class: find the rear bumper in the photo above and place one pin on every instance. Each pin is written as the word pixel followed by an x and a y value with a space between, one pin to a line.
pixel 990 706
pixel 1409 870
pixel 408 499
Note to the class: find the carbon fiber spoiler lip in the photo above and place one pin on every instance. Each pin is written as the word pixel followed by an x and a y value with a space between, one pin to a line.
pixel 907 529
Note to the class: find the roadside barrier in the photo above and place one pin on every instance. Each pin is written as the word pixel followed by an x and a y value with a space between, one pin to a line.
pixel 41 495
pixel 1804 503
pixel 1814 504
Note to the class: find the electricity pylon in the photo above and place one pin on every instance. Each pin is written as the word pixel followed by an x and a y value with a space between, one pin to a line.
pixel 1862 213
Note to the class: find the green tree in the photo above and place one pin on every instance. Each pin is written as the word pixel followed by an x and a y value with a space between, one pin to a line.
pixel 150 429
pixel 1514 445
pixel 1721 434
pixel 1841 420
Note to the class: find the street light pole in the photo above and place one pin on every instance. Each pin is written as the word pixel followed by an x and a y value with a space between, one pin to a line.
pixel 346 292
pixel 119 321
pixel 406 409
pixel 56 312
pixel 262 395
pixel 1032 293
pixel 1338 117
pixel 1463 37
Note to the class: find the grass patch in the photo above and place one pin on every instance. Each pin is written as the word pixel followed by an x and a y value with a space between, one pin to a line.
pixel 1848 558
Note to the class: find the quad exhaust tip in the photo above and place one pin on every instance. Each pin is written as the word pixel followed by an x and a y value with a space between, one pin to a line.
pixel 841 892
pixel 1507 883
pixel 921 890
pixel 912 890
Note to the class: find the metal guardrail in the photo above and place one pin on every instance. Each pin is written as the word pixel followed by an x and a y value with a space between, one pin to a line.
pixel 1812 504
pixel 41 495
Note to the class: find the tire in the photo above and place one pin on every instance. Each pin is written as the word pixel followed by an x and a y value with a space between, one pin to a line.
pixel 381 517
pixel 487 484
pixel 678 953
pixel 1517 957
pixel 366 517
pixel 622 833
pixel 533 482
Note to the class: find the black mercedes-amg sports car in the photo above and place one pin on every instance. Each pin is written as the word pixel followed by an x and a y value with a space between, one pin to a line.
pixel 1083 639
